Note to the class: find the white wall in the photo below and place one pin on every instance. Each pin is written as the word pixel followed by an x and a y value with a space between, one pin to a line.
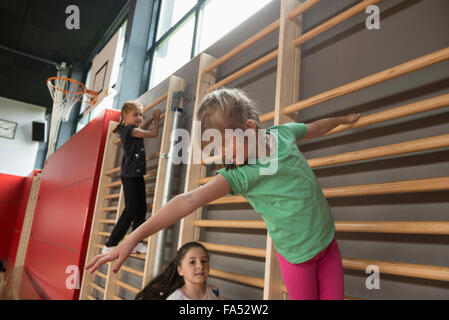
pixel 17 157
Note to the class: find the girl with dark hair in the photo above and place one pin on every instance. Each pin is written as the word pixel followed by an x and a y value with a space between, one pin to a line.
pixel 184 278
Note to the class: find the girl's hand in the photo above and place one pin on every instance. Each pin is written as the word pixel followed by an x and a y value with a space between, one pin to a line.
pixel 120 252
pixel 156 114
pixel 351 118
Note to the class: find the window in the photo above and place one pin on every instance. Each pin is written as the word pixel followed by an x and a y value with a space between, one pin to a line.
pixel 186 27
pixel 173 53
pixel 218 17
pixel 171 12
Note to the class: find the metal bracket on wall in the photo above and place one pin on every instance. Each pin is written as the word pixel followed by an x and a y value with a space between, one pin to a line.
pixel 176 100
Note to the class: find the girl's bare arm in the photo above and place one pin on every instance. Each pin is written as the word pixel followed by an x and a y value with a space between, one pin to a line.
pixel 176 209
pixel 320 127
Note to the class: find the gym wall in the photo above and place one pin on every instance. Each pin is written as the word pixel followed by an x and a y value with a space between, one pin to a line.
pixel 348 52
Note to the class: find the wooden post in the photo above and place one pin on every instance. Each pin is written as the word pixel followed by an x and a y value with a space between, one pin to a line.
pixel 176 84
pixel 28 221
pixel 287 92
pixel 195 171
pixel 110 151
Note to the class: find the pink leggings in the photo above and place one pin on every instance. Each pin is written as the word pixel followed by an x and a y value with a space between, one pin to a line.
pixel 320 278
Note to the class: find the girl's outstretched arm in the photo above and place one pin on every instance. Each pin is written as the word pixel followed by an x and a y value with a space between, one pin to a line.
pixel 176 209
pixel 320 127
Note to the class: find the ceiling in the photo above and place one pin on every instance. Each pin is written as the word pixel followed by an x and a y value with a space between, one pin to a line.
pixel 34 35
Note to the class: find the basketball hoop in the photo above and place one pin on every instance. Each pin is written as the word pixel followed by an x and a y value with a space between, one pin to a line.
pixel 66 92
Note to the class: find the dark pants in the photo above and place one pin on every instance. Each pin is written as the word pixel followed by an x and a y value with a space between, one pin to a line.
pixel 135 209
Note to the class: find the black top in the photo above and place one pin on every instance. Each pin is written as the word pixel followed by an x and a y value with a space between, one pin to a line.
pixel 134 159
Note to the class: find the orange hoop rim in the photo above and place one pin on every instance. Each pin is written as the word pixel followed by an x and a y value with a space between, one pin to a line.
pixel 91 92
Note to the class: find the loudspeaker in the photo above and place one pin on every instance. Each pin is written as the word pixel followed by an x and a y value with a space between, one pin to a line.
pixel 38 131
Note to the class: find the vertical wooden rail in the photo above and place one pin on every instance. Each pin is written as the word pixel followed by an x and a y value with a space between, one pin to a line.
pixel 28 221
pixel 287 92
pixel 110 151
pixel 176 84
pixel 195 171
pixel 111 285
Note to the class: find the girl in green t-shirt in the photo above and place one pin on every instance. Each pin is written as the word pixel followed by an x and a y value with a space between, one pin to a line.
pixel 273 175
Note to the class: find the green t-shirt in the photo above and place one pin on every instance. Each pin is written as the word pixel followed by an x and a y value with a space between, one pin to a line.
pixel 291 202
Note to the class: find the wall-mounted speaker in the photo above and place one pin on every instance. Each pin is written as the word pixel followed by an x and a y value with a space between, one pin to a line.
pixel 38 131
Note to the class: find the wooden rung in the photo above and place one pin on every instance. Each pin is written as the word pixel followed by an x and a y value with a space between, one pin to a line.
pixel 117 298
pixel 111 172
pixel 395 113
pixel 383 151
pixel 150 174
pixel 352 298
pixel 104 234
pixel 204 180
pixel 266 117
pixel 261 34
pixel 423 185
pixel 112 196
pixel 89 297
pixel 334 21
pixel 100 274
pixel 96 287
pixel 153 156
pixel 237 224
pixel 109 209
pixel 107 221
pixel 235 277
pixel 133 271
pixel 302 8
pixel 155 103
pixel 239 250
pixel 127 286
pixel 114 184
pixel 399 268
pixel 407 186
pixel 402 227
pixel 259 62
pixel 151 190
pixel 140 256
pixel 382 116
pixel 405 68
pixel 367 154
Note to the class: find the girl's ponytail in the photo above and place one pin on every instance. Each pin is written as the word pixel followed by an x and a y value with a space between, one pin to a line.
pixel 163 285
pixel 119 126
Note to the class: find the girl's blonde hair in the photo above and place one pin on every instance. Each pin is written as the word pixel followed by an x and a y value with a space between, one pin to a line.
pixel 227 108
pixel 126 108
pixel 169 280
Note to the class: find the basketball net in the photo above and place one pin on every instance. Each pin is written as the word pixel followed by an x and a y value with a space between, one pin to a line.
pixel 57 95
pixel 66 93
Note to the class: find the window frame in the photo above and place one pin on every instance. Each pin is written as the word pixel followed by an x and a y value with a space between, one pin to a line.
pixel 153 44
